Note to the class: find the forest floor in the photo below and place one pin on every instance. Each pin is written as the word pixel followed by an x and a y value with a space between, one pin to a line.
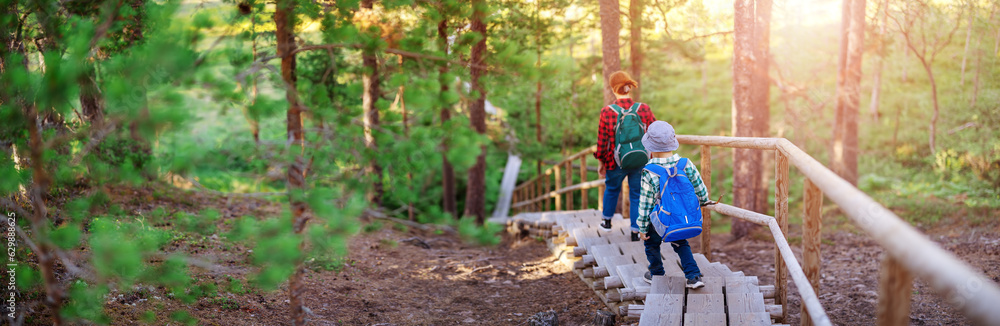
pixel 399 276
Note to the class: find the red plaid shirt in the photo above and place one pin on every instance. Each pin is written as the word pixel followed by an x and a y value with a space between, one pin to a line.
pixel 606 129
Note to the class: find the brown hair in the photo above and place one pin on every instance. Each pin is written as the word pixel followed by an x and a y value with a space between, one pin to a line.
pixel 621 83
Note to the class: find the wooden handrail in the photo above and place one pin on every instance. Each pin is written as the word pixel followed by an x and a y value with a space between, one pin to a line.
pixel 809 298
pixel 974 294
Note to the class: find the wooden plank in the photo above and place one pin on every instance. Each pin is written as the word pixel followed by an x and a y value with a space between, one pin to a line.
pixel 706 303
pixel 700 319
pixel 895 288
pixel 660 319
pixel 746 284
pixel 636 250
pixel 668 284
pixel 707 269
pixel 738 303
pixel 664 304
pixel 812 226
pixel 750 319
pixel 713 285
pixel 725 269
pixel 781 216
pixel 706 215
pixel 630 272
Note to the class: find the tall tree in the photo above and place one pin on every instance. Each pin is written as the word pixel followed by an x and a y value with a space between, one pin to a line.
pixel 610 25
pixel 475 196
pixel 968 38
pixel 921 26
pixel 447 171
pixel 370 95
pixel 284 19
pixel 845 142
pixel 635 9
pixel 761 97
pixel 882 51
pixel 91 102
pixel 745 176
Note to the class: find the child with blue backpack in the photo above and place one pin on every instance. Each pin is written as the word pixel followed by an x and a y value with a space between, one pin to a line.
pixel 670 203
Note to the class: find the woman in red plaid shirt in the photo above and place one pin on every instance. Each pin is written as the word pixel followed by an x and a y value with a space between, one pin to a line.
pixel 621 85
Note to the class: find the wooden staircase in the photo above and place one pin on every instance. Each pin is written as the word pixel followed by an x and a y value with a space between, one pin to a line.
pixel 612 265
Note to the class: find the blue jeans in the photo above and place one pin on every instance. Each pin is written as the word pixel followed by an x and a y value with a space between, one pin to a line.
pixel 681 247
pixel 613 188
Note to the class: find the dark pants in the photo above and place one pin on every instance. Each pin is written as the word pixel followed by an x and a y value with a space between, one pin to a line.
pixel 613 188
pixel 682 249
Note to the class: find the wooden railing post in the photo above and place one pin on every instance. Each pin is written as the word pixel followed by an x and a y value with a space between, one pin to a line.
pixel 812 225
pixel 600 198
pixel 781 216
pixel 514 200
pixel 535 206
pixel 583 178
pixel 547 189
pixel 557 185
pixel 569 182
pixel 706 215
pixel 895 286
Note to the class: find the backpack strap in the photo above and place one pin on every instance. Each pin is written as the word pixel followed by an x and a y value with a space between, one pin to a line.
pixel 664 177
pixel 619 112
pixel 635 109
pixel 679 168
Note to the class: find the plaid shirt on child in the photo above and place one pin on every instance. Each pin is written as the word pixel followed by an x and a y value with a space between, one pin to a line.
pixel 606 129
pixel 651 187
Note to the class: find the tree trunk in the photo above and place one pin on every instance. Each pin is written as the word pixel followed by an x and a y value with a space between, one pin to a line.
pixel 39 218
pixel 906 56
pixel 538 83
pixel 635 9
pixel 447 171
pixel 371 94
pixel 254 124
pixel 877 80
pixel 968 37
pixel 979 68
pixel 761 98
pixel 475 198
pixel 837 149
pixel 934 118
pixel 852 87
pixel 284 18
pixel 611 59
pixel 91 102
pixel 744 178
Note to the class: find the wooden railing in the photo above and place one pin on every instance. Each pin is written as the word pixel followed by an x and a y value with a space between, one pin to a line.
pixel 908 252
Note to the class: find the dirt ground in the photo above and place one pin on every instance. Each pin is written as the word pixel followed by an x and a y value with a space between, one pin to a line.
pixel 398 276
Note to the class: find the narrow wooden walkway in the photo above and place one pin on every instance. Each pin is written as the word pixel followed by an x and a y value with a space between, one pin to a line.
pixel 613 267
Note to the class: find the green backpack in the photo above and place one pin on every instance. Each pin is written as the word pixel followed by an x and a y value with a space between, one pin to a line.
pixel 629 152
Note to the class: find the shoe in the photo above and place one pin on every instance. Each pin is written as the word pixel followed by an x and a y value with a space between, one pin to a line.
pixel 635 236
pixel 606 225
pixel 695 283
pixel 648 277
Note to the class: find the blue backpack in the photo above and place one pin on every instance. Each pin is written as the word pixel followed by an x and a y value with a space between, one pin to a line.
pixel 677 214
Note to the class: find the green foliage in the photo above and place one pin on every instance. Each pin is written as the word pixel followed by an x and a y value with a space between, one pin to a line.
pixel 86 302
pixel 120 248
pixel 372 227
pixel 485 235
pixel 183 317
pixel 203 223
